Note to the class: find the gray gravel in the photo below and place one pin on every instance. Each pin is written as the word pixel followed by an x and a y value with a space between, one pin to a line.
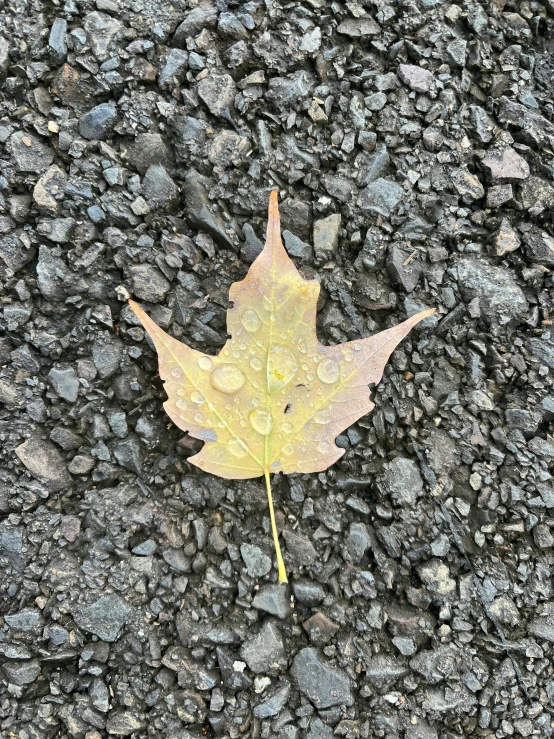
pixel 412 144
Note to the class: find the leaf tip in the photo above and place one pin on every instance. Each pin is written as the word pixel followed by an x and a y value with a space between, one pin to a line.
pixel 426 313
pixel 273 209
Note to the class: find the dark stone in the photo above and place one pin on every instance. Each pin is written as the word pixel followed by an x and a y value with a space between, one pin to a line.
pixel 174 68
pixel 263 652
pixel 147 149
pixel 500 297
pixel 98 122
pixel 357 541
pixel 257 562
pixel 125 723
pixel 417 78
pixel 21 672
pixel 199 210
pixel 381 196
pixel 296 216
pixel 320 629
pixel 382 671
pixel 325 686
pixel 252 245
pixel 217 92
pixel 296 247
pixel 106 355
pixel 404 270
pixel 128 453
pixel 286 91
pixel 273 599
pixel 101 30
pixel 232 678
pixel 539 246
pixel 359 27
pixel 204 15
pixel 65 383
pixel 299 549
pixel 376 165
pixel 29 154
pixel 402 481
pixel 274 700
pixel 105 617
pixel 44 462
pixel 57 39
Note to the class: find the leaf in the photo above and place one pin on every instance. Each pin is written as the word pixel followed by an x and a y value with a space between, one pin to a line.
pixel 274 399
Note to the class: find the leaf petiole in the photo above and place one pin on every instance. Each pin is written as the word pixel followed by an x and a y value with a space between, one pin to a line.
pixel 280 564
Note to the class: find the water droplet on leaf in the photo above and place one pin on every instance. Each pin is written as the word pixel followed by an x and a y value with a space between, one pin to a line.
pixel 197 397
pixel 198 417
pixel 281 368
pixel 261 421
pixel 182 404
pixel 256 363
pixel 227 378
pixel 251 321
pixel 238 447
pixel 287 427
pixel 322 416
pixel 323 447
pixel 176 372
pixel 328 371
pixel 288 449
pixel 205 363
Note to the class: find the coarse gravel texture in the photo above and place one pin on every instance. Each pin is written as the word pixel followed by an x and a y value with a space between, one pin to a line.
pixel 412 145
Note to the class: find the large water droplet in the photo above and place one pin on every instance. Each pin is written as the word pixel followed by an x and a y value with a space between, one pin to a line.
pixel 281 368
pixel 287 427
pixel 227 378
pixel 176 372
pixel 182 404
pixel 238 447
pixel 197 397
pixel 256 363
pixel 322 416
pixel 251 321
pixel 323 447
pixel 205 363
pixel 261 421
pixel 288 449
pixel 328 371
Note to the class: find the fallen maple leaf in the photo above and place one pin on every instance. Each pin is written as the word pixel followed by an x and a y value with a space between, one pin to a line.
pixel 274 399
